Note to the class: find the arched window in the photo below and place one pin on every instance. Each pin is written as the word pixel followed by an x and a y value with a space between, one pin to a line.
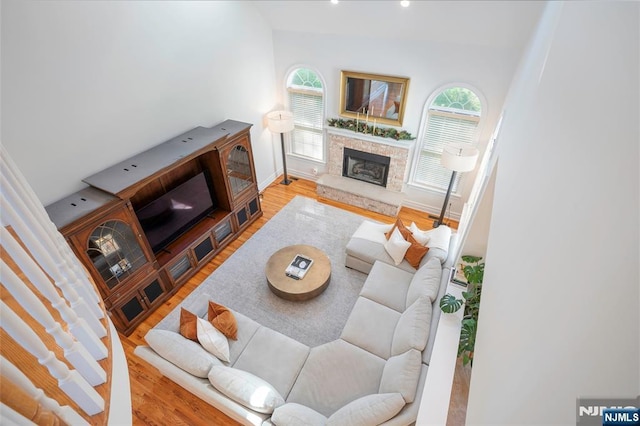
pixel 306 100
pixel 452 116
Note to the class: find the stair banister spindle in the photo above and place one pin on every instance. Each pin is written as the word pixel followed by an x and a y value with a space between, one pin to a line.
pixel 74 352
pixel 77 325
pixel 12 373
pixel 42 256
pixel 82 288
pixel 10 170
pixel 69 381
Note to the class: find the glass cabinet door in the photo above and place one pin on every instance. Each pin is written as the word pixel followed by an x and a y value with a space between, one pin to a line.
pixel 115 252
pixel 238 170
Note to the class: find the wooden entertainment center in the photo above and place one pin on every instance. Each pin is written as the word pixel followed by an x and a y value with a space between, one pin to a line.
pixel 102 226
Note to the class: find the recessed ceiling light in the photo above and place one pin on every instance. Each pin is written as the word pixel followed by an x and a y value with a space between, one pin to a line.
pixel 334 1
pixel 405 3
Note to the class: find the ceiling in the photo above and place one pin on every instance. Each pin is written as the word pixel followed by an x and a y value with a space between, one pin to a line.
pixel 504 24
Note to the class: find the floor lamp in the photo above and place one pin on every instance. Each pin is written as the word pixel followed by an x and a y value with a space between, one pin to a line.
pixel 281 122
pixel 458 157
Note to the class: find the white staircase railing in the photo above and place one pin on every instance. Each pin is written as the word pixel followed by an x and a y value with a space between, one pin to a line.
pixel 50 311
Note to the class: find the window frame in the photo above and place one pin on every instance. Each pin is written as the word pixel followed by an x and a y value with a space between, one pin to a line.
pixel 424 122
pixel 310 91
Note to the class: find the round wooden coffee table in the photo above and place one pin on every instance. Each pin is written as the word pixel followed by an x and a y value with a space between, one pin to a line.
pixel 314 282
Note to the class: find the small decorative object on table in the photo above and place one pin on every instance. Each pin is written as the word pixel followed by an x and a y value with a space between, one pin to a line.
pixel 298 267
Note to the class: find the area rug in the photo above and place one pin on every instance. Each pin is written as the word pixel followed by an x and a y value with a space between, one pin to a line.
pixel 240 282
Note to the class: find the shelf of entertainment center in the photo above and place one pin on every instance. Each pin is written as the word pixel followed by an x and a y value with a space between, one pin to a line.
pixel 186 241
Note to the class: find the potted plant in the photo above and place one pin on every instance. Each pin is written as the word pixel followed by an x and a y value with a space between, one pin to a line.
pixel 473 270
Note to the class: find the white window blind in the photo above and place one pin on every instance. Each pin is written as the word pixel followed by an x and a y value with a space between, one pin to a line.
pixel 307 136
pixel 443 127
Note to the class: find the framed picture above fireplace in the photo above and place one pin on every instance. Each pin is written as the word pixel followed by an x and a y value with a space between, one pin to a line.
pixel 373 97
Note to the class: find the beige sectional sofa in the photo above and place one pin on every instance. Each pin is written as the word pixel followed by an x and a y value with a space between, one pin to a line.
pixel 373 374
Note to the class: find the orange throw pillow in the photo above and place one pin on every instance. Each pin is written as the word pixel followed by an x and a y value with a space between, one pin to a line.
pixel 416 251
pixel 188 323
pixel 223 319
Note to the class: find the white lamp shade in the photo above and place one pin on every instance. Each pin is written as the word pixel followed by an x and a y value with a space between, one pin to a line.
pixel 280 121
pixel 459 157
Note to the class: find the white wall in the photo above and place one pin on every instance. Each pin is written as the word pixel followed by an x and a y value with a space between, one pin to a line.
pixel 429 65
pixel 559 314
pixel 87 84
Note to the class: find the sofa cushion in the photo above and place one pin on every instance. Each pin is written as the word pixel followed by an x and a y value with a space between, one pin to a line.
pixel 372 231
pixel 212 340
pixel 245 388
pixel 371 326
pixel 246 329
pixel 335 374
pixel 425 282
pixel 387 285
pixel 416 252
pixel 292 414
pixel 368 410
pixel 412 329
pixel 369 251
pixel 184 353
pixel 273 357
pixel 401 374
pixel 396 246
pixel 222 319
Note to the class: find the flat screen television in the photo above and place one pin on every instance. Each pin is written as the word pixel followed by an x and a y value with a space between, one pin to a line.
pixel 169 216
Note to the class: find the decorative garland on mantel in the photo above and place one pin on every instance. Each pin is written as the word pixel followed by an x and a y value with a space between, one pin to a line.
pixel 362 127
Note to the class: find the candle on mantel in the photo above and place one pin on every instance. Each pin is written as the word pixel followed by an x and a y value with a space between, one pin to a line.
pixel 367 120
pixel 374 127
pixel 357 119
pixel 372 111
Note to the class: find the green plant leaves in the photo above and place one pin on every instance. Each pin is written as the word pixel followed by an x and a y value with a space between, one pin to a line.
pixel 467 339
pixel 449 304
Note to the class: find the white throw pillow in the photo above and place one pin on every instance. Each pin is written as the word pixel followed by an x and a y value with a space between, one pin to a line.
pixel 184 353
pixel 372 231
pixel 372 409
pixel 421 236
pixel 245 388
pixel 412 329
pixel 425 282
pixel 292 414
pixel 396 246
pixel 439 238
pixel 401 374
pixel 212 339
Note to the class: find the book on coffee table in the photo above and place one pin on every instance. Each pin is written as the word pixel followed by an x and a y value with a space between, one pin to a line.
pixel 299 266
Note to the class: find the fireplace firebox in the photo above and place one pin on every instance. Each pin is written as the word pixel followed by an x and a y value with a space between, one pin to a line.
pixel 365 166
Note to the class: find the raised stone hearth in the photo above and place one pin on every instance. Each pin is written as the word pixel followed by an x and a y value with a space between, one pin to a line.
pixel 386 200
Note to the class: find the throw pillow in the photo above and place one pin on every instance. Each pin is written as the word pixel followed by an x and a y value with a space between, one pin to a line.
pixel 425 282
pixel 372 409
pixel 419 234
pixel 401 374
pixel 213 340
pixel 396 246
pixel 412 329
pixel 183 353
pixel 188 323
pixel 292 414
pixel 222 319
pixel 245 388
pixel 439 238
pixel 415 252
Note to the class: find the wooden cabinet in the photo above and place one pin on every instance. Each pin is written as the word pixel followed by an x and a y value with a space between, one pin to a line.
pixel 101 224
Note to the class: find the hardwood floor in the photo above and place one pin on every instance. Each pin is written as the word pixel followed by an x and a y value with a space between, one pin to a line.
pixel 157 400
